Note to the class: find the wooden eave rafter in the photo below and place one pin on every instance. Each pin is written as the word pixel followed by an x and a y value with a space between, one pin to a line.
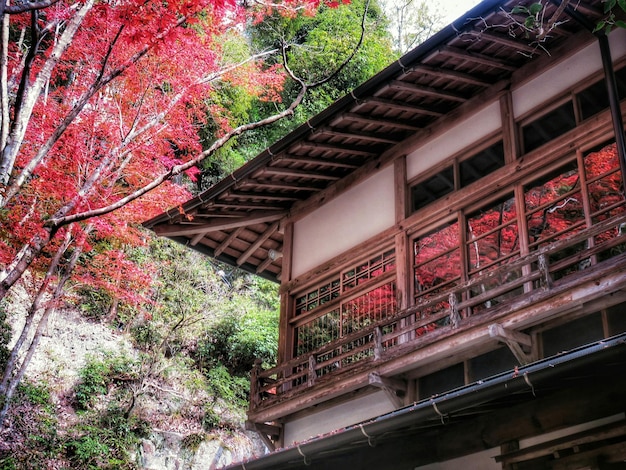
pixel 370 137
pixel 340 149
pixel 426 91
pixel 506 41
pixel 259 241
pixel 447 74
pixel 179 230
pixel 285 171
pixel 478 58
pixel 401 106
pixel 305 160
pixel 376 121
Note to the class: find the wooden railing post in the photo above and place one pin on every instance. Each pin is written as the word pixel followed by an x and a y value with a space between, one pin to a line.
pixel 312 375
pixel 255 398
pixel 546 279
pixel 454 310
pixel 378 343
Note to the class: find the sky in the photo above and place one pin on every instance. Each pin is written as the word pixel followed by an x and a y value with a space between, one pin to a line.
pixel 452 9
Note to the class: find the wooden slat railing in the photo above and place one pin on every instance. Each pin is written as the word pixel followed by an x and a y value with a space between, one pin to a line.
pixel 408 328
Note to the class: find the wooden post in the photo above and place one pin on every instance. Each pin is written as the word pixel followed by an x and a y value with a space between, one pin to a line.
pixel 454 311
pixel 378 343
pixel 546 280
pixel 312 374
pixel 255 398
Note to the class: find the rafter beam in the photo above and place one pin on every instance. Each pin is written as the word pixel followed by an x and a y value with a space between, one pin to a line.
pixel 352 150
pixel 477 58
pixel 518 343
pixel 176 230
pixel 282 171
pixel 306 160
pixel 283 185
pixel 504 41
pixel 445 73
pixel 402 106
pixel 259 241
pixel 377 121
pixel 395 389
pixel 248 206
pixel 383 139
pixel 425 91
pixel 261 196
pixel 225 244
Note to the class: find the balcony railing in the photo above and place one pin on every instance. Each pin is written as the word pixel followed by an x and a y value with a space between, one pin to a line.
pixel 418 325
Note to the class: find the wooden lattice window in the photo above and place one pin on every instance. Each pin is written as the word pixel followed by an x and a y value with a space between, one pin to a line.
pixel 360 295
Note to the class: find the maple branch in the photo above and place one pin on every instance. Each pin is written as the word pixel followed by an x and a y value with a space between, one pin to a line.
pixel 23 114
pixel 100 82
pixel 61 220
pixel 4 75
pixel 26 7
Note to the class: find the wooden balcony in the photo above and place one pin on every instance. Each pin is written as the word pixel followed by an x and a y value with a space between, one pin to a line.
pixel 526 291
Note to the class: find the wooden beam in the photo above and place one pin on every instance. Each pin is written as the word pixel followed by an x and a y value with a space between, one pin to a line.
pixel 506 41
pixel 282 185
pixel 275 170
pixel 477 58
pixel 445 73
pixel 270 434
pixel 401 106
pixel 372 137
pixel 177 230
pixel 259 241
pixel 249 206
pixel 338 148
pixel 425 91
pixel 222 246
pixel 319 161
pixel 514 340
pixel 377 121
pixel 395 389
pixel 606 431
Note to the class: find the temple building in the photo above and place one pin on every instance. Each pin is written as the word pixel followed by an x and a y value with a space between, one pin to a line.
pixel 450 244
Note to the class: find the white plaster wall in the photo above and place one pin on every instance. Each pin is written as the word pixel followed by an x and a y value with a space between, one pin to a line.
pixel 468 132
pixel 565 75
pixel 480 461
pixel 353 217
pixel 337 417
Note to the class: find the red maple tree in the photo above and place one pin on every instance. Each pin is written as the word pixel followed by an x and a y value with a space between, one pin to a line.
pixel 101 105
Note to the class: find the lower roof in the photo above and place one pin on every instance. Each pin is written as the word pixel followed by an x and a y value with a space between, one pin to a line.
pixel 589 379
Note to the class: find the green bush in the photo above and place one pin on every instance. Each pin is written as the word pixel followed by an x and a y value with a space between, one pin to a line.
pixel 97 375
pixel 237 339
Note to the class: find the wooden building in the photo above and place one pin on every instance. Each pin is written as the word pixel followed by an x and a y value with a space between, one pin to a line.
pixel 450 245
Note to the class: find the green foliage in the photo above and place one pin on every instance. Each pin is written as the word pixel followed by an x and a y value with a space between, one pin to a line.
pixel 98 374
pixel 317 46
pixel 611 20
pixel 87 451
pixel 221 384
pixel 238 338
pixel 103 441
pixel 35 394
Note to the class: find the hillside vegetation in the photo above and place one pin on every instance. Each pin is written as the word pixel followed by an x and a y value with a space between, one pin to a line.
pixel 104 386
